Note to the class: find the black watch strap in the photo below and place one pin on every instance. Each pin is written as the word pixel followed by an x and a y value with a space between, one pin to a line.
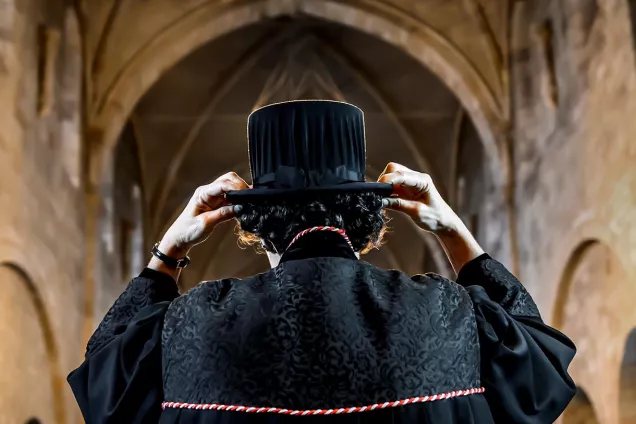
pixel 171 262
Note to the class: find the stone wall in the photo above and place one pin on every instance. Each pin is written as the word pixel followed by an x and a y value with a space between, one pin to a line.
pixel 573 235
pixel 41 230
pixel 574 102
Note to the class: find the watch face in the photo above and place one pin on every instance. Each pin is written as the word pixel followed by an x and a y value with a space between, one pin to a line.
pixel 182 263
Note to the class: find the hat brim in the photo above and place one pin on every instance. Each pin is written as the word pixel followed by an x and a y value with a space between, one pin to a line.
pixel 259 195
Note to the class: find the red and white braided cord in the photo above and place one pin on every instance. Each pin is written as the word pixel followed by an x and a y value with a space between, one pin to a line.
pixel 349 410
pixel 322 228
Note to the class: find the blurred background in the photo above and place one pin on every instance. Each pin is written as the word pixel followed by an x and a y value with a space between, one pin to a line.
pixel 112 112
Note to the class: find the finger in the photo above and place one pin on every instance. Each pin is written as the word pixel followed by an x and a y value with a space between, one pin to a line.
pixel 387 170
pixel 233 176
pixel 209 198
pixel 408 207
pixel 213 218
pixel 212 193
pixel 415 182
pixel 393 167
pixel 409 178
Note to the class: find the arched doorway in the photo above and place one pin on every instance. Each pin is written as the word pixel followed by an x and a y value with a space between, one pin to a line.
pixel 594 309
pixel 29 384
pixel 580 410
pixel 627 399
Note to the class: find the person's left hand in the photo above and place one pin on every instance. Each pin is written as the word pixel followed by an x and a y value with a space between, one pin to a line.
pixel 415 195
pixel 206 209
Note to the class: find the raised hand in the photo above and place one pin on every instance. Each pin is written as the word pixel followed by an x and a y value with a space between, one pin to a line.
pixel 415 195
pixel 206 209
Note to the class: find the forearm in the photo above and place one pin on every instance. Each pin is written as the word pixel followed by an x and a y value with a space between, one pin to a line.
pixel 459 244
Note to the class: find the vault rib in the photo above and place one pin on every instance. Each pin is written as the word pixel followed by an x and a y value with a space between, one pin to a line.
pixel 240 68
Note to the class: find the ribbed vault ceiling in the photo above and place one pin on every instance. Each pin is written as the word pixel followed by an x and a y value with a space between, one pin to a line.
pixel 191 125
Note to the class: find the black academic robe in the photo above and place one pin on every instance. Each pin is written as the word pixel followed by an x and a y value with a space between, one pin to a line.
pixel 326 338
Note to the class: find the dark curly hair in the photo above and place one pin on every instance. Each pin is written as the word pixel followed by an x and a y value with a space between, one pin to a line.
pixel 278 222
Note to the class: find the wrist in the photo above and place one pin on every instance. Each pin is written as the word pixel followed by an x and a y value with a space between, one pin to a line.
pixel 455 235
pixel 173 249
pixel 453 227
pixel 459 244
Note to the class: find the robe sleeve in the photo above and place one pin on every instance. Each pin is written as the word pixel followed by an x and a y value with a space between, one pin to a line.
pixel 523 361
pixel 120 380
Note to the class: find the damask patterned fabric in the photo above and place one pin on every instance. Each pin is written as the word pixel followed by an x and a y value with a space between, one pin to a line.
pixel 326 331
pixel 147 289
pixel 502 287
pixel 323 332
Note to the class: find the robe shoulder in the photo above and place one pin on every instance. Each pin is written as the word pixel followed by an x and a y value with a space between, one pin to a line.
pixel 524 361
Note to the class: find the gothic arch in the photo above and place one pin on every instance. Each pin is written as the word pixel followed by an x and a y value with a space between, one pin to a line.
pixel 593 308
pixel 567 280
pixel 211 21
pixel 35 330
pixel 112 107
pixel 246 64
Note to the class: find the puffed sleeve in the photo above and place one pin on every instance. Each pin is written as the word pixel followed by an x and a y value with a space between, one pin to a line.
pixel 120 379
pixel 523 361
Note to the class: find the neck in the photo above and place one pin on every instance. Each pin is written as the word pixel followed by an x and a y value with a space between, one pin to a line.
pixel 274 259
pixel 316 242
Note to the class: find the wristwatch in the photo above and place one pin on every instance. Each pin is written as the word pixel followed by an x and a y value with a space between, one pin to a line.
pixel 171 262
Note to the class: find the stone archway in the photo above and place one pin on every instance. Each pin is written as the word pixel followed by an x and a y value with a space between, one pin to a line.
pixel 31 383
pixel 108 117
pixel 593 309
pixel 580 410
pixel 210 20
pixel 627 398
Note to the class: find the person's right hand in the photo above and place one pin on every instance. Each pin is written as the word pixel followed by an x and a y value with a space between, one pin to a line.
pixel 415 195
pixel 206 209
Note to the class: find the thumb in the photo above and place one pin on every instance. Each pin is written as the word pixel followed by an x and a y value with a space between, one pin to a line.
pixel 408 207
pixel 217 216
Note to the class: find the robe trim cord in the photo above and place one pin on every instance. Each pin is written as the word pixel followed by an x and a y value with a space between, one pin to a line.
pixel 322 228
pixel 349 410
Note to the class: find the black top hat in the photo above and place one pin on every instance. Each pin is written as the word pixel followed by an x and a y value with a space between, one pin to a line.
pixel 306 148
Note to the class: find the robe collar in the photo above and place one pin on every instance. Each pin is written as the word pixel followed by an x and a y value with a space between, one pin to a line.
pixel 317 245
